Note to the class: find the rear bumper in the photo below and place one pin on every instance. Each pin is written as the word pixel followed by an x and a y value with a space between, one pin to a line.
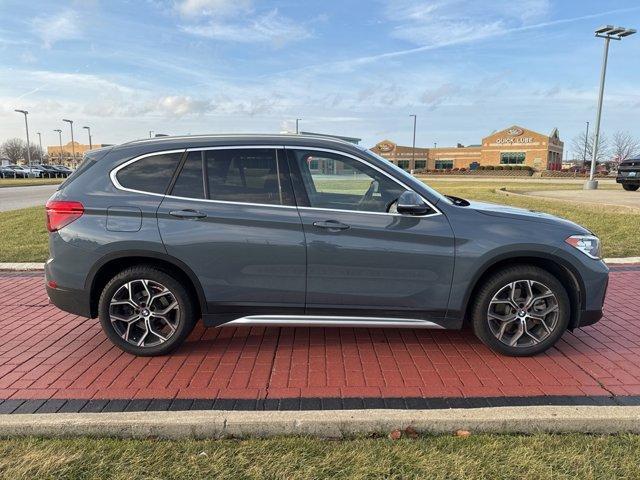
pixel 634 180
pixel 72 301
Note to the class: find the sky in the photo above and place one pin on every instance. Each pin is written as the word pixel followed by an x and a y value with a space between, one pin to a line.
pixel 355 68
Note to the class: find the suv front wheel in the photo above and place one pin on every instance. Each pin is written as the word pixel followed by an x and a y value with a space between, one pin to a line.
pixel 520 311
pixel 146 311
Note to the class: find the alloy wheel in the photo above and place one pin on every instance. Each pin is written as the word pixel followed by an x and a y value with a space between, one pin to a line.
pixel 523 313
pixel 144 313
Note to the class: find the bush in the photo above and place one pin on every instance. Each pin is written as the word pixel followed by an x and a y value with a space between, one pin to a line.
pixel 489 167
pixel 499 167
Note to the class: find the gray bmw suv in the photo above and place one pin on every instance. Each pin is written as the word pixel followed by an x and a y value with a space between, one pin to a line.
pixel 281 230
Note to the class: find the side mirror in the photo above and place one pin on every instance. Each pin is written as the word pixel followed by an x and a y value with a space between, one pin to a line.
pixel 410 203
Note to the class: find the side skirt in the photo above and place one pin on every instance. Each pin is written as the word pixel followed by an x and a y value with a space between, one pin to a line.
pixel 329 321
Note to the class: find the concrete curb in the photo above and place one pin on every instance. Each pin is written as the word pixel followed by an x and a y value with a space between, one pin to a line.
pixel 324 424
pixel 21 267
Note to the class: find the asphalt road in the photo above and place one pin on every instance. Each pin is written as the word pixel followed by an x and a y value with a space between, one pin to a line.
pixel 14 198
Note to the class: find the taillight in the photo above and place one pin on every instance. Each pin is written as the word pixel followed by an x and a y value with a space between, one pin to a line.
pixel 61 213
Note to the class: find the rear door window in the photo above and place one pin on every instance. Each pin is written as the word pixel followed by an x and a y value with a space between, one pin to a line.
pixel 248 175
pixel 150 174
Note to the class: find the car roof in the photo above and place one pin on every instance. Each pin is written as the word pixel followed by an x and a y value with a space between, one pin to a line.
pixel 194 141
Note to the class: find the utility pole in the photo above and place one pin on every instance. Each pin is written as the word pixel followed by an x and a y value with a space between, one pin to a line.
pixel 60 139
pixel 73 147
pixel 607 32
pixel 26 125
pixel 586 141
pixel 88 129
pixel 40 140
pixel 413 148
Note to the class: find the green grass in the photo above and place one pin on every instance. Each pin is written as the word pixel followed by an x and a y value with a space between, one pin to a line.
pixel 23 235
pixel 481 456
pixel 27 182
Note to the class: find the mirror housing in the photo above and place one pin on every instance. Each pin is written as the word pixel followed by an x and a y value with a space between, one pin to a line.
pixel 410 203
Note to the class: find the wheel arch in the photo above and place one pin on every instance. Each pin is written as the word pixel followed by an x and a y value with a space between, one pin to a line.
pixel 110 265
pixel 560 268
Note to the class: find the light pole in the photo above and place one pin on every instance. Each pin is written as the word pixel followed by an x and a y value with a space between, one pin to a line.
pixel 73 148
pixel 150 133
pixel 413 148
pixel 607 32
pixel 297 125
pixel 586 142
pixel 60 139
pixel 26 125
pixel 40 141
pixel 88 129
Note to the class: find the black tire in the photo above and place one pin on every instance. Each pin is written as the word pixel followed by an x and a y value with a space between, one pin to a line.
pixel 500 280
pixel 184 316
pixel 630 187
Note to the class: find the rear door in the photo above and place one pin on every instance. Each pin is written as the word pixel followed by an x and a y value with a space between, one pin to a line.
pixel 231 217
pixel 363 259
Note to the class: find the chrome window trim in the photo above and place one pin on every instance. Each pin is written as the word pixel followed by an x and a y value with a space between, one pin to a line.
pixel 116 183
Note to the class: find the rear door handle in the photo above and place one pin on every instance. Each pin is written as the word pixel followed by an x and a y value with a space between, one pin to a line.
pixel 331 225
pixel 187 214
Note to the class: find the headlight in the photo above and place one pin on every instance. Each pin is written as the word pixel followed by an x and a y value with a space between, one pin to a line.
pixel 587 244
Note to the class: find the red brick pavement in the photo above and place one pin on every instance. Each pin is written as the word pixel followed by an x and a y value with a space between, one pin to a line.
pixel 46 353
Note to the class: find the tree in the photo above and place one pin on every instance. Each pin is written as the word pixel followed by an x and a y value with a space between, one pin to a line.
pixel 13 149
pixel 35 152
pixel 577 148
pixel 624 146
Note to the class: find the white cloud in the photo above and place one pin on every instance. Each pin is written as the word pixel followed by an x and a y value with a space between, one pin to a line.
pixel 60 26
pixel 211 8
pixel 180 105
pixel 270 28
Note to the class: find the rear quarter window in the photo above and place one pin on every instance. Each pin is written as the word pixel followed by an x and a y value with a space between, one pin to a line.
pixel 149 174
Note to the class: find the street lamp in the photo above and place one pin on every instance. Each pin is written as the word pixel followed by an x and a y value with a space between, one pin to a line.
pixel 60 139
pixel 26 125
pixel 297 125
pixel 413 148
pixel 73 148
pixel 40 141
pixel 88 129
pixel 607 32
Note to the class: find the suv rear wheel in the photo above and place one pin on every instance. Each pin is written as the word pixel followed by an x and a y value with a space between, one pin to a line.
pixel 631 187
pixel 146 311
pixel 521 311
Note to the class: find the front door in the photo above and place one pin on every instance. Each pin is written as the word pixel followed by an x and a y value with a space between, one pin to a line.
pixel 230 216
pixel 363 259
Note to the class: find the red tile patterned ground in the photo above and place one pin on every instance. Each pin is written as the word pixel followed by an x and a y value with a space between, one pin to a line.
pixel 46 353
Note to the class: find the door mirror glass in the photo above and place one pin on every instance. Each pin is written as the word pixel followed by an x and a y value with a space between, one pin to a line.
pixel 410 203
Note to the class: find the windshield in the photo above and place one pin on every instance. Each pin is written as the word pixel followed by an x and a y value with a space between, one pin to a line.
pixel 404 174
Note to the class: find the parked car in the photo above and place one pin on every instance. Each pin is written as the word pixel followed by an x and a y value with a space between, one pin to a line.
pixel 6 172
pixel 299 230
pixel 63 171
pixel 34 171
pixel 629 174
pixel 18 171
pixel 48 171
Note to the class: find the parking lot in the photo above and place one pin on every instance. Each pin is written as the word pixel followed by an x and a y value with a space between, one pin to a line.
pixel 53 361
pixel 14 198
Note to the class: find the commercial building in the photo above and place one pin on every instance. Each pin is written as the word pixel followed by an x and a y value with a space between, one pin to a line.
pixel 512 146
pixel 67 152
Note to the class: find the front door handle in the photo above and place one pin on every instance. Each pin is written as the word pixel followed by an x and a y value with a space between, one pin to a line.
pixel 187 214
pixel 331 225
